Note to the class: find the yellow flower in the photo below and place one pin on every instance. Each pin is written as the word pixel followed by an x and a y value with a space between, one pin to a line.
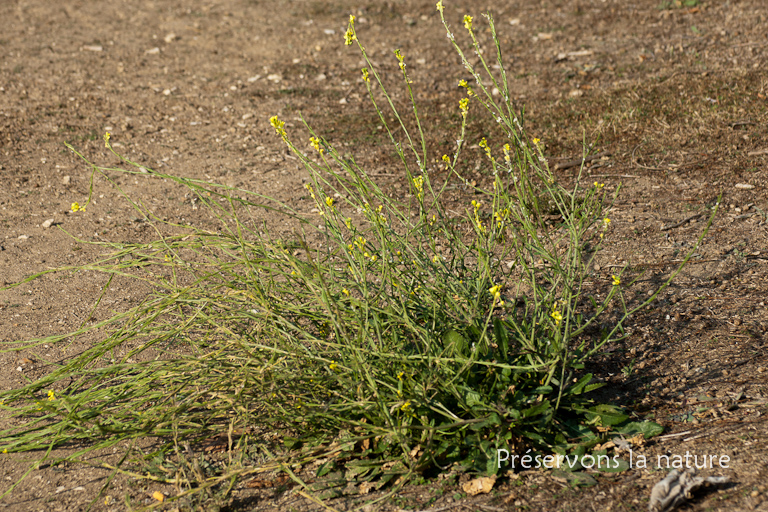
pixel 329 201
pixel 400 375
pixel 436 258
pixel 406 407
pixel 278 125
pixel 400 59
pixel 484 144
pixel 51 395
pixel 616 280
pixel 345 292
pixel 348 223
pixel 495 291
pixel 349 36
pixel 462 83
pixel 599 185
pixel 468 22
pixel 351 19
pixel 315 143
pixel 76 207
pixel 5 450
pixel 439 6
pixel 536 141
pixel 464 106
pixel 557 317
pixel 365 75
pixel 333 366
pixel 418 184
pixel 447 159
pixel 606 221
pixel 107 135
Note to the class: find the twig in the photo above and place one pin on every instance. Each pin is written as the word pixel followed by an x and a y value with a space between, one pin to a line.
pixel 579 161
pixel 758 152
pixel 678 224
pixel 678 434
pixel 613 176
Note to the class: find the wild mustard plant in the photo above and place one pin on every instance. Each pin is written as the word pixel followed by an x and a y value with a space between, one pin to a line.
pixel 433 340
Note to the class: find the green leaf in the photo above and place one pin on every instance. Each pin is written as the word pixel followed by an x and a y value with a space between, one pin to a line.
pixel 325 468
pixel 608 414
pixel 472 397
pixel 649 429
pixel 537 409
pixel 455 344
pixel 578 388
pixel 593 387
pixel 614 466
pixel 576 479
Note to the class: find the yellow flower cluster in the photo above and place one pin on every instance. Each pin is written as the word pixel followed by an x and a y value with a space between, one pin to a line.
pixel 400 59
pixel 107 135
pixel 350 36
pixel 506 153
pixel 418 184
pixel 365 75
pixel 484 144
pixel 616 280
pixel 557 316
pixel 501 216
pixel 468 22
pixel 311 192
pixel 315 143
pixel 606 222
pixel 76 207
pixel 464 106
pixel 476 207
pixel 439 6
pixel 279 126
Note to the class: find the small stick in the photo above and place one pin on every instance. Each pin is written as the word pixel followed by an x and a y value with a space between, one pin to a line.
pixel 579 161
pixel 678 434
pixel 613 176
pixel 678 224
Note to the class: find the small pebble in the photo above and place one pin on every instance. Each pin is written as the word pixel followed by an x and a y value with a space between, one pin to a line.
pixel 66 180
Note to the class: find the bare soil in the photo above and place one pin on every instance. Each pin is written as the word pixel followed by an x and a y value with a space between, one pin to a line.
pixel 676 97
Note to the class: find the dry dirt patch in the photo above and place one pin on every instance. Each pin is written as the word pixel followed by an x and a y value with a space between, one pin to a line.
pixel 676 96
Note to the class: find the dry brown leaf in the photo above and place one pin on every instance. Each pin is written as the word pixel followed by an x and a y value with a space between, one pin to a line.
pixel 482 485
